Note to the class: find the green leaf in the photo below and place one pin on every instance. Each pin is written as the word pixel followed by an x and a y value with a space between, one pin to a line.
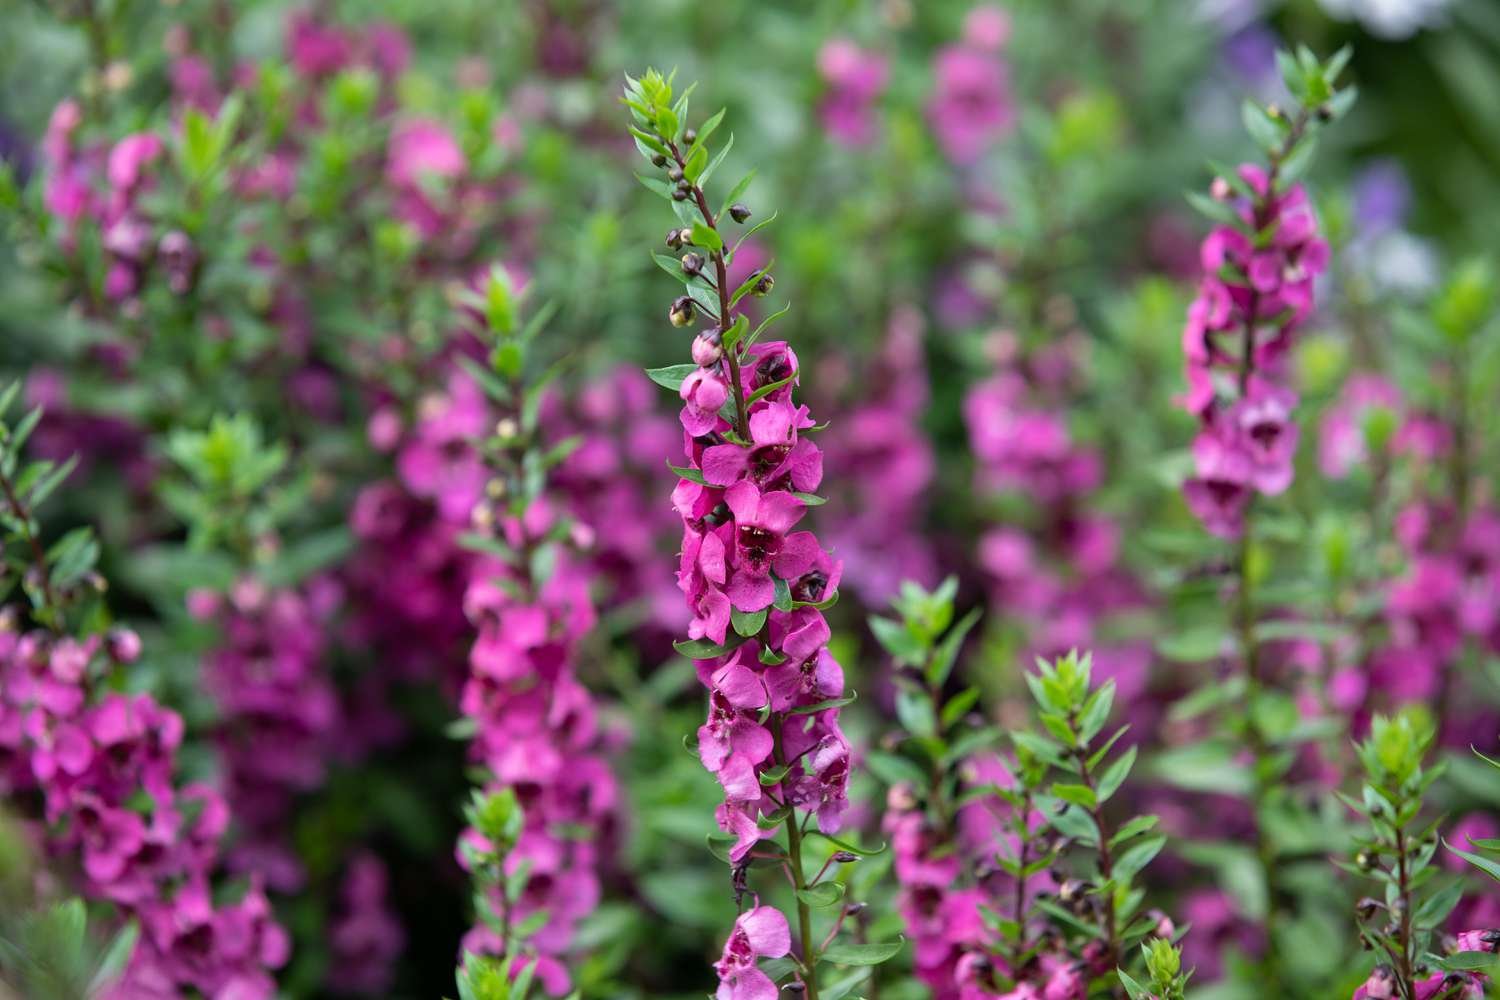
pixel 1114 775
pixel 706 649
pixel 1130 863
pixel 762 393
pixel 733 196
pixel 1265 130
pixel 707 238
pixel 823 706
pixel 1486 865
pixel 862 954
pixel 1212 208
pixel 1080 795
pixel 748 623
pixel 822 894
pixel 847 845
pixel 690 474
pixel 670 377
pixel 783 598
pixel 1468 961
pixel 946 654
pixel 1132 828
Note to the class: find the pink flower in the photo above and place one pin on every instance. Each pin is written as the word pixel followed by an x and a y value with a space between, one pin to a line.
pixel 971 103
pixel 856 78
pixel 759 933
pixel 1219 493
pixel 761 523
pixel 704 392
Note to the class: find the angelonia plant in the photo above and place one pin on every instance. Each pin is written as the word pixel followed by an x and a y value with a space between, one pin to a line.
pixel 757 589
pixel 538 825
pixel 1016 879
pixel 1260 264
pixel 1402 925
pixel 101 767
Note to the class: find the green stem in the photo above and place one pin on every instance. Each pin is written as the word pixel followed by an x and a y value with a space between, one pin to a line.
pixel 799 880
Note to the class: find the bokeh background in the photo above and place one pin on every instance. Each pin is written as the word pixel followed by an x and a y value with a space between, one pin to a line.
pixel 976 221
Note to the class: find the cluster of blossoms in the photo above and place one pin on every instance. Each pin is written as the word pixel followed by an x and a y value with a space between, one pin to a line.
pixel 742 562
pixel 279 713
pixel 1061 574
pixel 1256 291
pixel 536 734
pixel 105 767
pixel 971 105
pixel 105 184
pixel 855 78
pixel 949 881
pixel 883 465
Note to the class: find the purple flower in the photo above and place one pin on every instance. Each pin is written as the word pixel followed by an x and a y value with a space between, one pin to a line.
pixel 856 78
pixel 759 933
pixel 971 103
pixel 760 543
pixel 1220 489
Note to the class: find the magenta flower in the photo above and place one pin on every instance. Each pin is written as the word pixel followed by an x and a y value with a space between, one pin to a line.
pixel 856 78
pixel 971 104
pixel 759 933
pixel 704 392
pixel 761 524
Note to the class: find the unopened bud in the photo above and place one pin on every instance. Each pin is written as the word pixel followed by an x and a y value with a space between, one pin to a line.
pixel 764 285
pixel 845 857
pixel 675 174
pixel 855 909
pixel 123 644
pixel 674 239
pixel 690 136
pixel 739 211
pixel 708 348
pixel 692 264
pixel 796 986
pixel 681 311
pixel 1219 189
pixel 506 428
pixel 1367 907
pixel 660 159
pixel 679 194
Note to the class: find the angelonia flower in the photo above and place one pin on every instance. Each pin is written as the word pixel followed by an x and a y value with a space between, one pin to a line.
pixel 365 937
pixel 971 105
pixel 743 560
pixel 880 464
pixel 279 715
pixel 855 78
pixel 534 727
pixel 1058 571
pixel 1256 291
pixel 755 579
pixel 105 767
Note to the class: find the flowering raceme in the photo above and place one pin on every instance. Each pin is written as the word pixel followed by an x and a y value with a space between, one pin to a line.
pixel 534 729
pixel 756 582
pixel 104 766
pixel 1256 291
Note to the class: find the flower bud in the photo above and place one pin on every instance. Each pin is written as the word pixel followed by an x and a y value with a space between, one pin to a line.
pixel 660 160
pixel 123 644
pixel 739 211
pixel 690 136
pixel 1219 190
pixel 692 264
pixel 681 311
pixel 679 194
pixel 708 348
pixel 1366 907
pixel 764 285
pixel 845 857
pixel 674 239
pixel 675 174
